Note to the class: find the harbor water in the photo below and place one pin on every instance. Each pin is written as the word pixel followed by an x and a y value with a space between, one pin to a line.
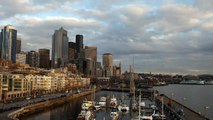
pixel 196 97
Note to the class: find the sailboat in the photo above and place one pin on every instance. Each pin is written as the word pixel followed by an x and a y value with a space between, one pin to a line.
pixel 122 106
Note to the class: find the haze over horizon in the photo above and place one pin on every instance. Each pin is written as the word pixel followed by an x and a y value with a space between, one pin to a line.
pixel 164 36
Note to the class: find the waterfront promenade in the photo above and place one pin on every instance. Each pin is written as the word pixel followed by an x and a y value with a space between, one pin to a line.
pixel 39 106
pixel 175 106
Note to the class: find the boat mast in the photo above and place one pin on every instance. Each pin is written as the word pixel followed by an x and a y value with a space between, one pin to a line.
pixel 139 105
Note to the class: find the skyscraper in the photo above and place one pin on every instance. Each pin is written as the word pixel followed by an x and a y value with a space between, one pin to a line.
pixel 33 58
pixel 71 51
pixel 59 48
pixel 8 43
pixel 44 58
pixel 91 52
pixel 18 45
pixel 108 64
pixel 79 45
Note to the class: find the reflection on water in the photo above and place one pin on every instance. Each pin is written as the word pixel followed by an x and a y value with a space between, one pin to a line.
pixel 71 110
pixel 192 96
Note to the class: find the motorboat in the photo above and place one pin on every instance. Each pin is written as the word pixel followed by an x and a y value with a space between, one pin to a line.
pixel 113 102
pixel 114 114
pixel 81 115
pixel 102 101
pixel 123 107
pixel 87 104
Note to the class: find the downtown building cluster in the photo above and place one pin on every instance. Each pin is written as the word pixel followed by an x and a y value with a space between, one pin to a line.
pixel 32 73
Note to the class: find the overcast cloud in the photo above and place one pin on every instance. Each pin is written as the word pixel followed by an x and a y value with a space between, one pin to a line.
pixel 164 36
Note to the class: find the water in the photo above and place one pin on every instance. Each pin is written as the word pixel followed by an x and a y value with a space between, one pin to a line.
pixel 71 110
pixel 196 97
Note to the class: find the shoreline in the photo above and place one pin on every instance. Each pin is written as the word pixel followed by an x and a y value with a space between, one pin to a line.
pixel 39 107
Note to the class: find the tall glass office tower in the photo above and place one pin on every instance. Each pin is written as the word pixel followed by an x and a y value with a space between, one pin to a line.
pixel 59 48
pixel 8 43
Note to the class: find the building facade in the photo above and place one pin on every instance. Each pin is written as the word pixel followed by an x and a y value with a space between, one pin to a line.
pixel 8 43
pixel 44 58
pixel 21 57
pixel 59 48
pixel 108 64
pixel 18 45
pixel 14 86
pixel 91 53
pixel 33 59
pixel 71 51
pixel 79 45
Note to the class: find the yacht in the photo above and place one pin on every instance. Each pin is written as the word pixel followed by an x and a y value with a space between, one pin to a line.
pixel 114 114
pixel 102 101
pixel 85 115
pixel 87 104
pixel 113 102
pixel 123 107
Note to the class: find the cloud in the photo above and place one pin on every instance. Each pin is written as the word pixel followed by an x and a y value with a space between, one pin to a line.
pixel 174 36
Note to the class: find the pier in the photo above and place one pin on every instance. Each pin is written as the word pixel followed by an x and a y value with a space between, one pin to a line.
pixel 171 108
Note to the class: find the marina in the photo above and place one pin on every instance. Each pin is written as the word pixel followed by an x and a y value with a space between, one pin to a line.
pixel 67 113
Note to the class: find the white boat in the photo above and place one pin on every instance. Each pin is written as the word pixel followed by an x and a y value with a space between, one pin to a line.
pixel 102 101
pixel 114 115
pixel 87 104
pixel 81 115
pixel 123 107
pixel 113 102
pixel 134 106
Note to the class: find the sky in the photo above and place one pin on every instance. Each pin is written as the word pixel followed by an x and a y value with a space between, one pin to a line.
pixel 163 36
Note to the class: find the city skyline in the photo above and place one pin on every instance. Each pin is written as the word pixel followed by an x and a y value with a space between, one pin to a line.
pixel 164 36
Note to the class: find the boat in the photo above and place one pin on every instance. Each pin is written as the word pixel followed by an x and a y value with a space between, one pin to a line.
pixel 85 115
pixel 102 101
pixel 114 114
pixel 123 107
pixel 113 102
pixel 134 106
pixel 81 115
pixel 87 104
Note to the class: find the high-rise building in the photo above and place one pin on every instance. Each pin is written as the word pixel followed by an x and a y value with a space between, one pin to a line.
pixel 44 58
pixel 59 48
pixel 108 64
pixel 21 57
pixel 71 51
pixel 8 43
pixel 33 58
pixel 18 45
pixel 79 45
pixel 91 52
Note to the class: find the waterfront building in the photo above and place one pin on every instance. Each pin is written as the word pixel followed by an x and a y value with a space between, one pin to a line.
pixel 21 57
pixel 33 59
pixel 79 45
pixel 44 58
pixel 71 51
pixel 14 86
pixel 18 45
pixel 8 39
pixel 59 48
pixel 42 84
pixel 108 64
